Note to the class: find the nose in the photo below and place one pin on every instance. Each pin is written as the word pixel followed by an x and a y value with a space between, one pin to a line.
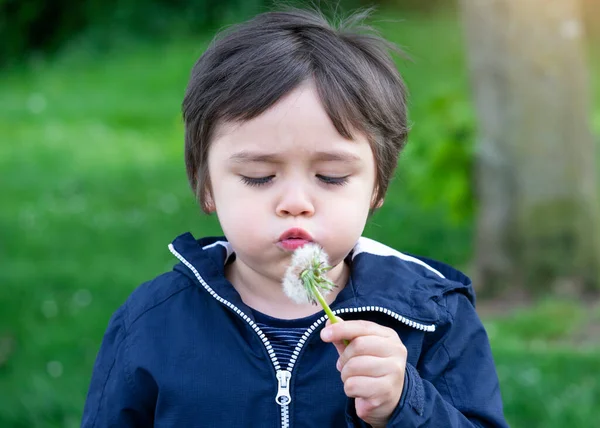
pixel 295 201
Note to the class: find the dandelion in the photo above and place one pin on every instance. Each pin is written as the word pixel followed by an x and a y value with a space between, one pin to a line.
pixel 305 280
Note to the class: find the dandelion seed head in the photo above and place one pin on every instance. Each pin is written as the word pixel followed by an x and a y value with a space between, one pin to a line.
pixel 293 287
pixel 309 257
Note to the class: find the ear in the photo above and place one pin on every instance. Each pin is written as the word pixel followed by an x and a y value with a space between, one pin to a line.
pixel 379 204
pixel 376 203
pixel 209 203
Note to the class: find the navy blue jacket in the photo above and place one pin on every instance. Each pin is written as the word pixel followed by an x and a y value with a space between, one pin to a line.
pixel 184 350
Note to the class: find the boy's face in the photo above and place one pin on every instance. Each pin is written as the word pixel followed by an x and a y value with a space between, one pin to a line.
pixel 285 170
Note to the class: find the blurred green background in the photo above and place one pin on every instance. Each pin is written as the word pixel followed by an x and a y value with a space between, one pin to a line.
pixel 93 188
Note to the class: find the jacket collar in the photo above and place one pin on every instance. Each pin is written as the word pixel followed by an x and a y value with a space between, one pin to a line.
pixel 380 276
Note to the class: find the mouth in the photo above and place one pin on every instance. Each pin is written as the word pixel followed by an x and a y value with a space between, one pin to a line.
pixel 294 238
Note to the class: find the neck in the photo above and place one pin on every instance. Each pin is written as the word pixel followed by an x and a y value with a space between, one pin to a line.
pixel 266 294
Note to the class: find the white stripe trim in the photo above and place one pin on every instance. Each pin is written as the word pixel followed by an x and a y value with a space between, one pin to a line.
pixel 225 245
pixel 367 245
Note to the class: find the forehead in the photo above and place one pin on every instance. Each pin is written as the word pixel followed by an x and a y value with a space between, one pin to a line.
pixel 296 123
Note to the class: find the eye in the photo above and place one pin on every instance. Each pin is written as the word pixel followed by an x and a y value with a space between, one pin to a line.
pixel 257 181
pixel 337 181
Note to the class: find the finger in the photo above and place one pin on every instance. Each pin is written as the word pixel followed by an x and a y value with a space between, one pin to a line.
pixel 341 344
pixel 349 330
pixel 364 386
pixel 365 365
pixel 340 347
pixel 375 346
pixel 338 319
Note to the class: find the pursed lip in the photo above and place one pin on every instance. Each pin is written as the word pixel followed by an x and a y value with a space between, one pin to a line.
pixel 295 233
pixel 294 238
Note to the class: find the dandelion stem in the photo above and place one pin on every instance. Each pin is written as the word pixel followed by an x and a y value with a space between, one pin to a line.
pixel 327 309
pixel 325 306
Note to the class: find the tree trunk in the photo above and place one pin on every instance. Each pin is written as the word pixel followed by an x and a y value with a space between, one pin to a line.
pixel 538 225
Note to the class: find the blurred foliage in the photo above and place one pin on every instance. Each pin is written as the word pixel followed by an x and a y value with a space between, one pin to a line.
pixel 40 26
pixel 28 26
pixel 447 158
pixel 551 321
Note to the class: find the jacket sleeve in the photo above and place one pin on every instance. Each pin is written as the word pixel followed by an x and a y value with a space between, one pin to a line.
pixel 455 383
pixel 115 398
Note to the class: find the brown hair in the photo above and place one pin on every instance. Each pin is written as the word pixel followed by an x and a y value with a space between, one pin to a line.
pixel 250 66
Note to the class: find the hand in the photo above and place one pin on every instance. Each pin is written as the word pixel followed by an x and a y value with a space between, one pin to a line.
pixel 372 367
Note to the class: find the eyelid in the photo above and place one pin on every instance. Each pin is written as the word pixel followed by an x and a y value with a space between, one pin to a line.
pixel 336 181
pixel 257 181
pixel 265 180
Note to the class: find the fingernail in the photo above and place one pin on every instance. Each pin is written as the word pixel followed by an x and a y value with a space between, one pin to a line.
pixel 326 334
pixel 338 366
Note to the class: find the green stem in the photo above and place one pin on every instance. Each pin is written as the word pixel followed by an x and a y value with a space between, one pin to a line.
pixel 327 309
pixel 325 306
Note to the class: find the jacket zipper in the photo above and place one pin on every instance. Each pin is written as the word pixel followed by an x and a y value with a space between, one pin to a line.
pixel 283 397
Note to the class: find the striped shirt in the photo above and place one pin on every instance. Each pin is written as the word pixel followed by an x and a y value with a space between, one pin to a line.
pixel 284 334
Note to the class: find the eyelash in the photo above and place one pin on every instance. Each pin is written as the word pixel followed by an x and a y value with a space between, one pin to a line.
pixel 256 182
pixel 262 181
pixel 336 181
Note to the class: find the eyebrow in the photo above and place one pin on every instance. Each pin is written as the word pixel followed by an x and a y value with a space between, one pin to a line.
pixel 247 156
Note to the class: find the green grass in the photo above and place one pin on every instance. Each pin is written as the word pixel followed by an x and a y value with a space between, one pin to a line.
pixel 93 190
pixel 548 365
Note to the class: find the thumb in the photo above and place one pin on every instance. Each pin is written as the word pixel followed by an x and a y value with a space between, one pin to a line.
pixel 341 345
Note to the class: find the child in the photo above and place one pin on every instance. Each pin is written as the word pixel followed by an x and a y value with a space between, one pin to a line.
pixel 292 133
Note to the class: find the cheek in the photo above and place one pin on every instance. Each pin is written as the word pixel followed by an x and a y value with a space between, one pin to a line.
pixel 240 217
pixel 229 193
pixel 346 219
pixel 354 203
pixel 341 236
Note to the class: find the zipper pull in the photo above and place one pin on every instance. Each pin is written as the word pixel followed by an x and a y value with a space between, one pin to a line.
pixel 283 388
